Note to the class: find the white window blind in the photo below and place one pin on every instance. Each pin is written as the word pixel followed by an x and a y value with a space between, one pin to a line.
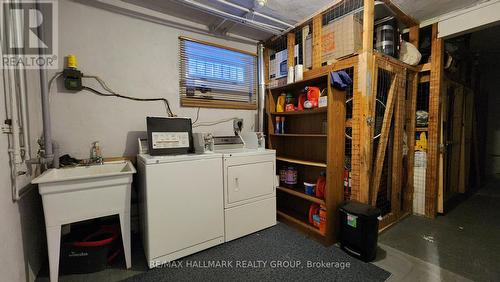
pixel 213 73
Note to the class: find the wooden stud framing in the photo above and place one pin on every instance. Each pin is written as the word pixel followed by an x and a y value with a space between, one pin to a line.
pixel 397 147
pixel 410 132
pixel 335 151
pixel 291 48
pixel 404 18
pixel 316 41
pixel 414 35
pixel 365 107
pixel 433 150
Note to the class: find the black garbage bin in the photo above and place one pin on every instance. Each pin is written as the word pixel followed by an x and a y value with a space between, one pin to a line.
pixel 359 230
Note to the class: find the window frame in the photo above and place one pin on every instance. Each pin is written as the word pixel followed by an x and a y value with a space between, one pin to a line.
pixel 200 102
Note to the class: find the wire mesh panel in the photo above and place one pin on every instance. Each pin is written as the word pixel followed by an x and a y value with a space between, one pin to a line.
pixel 342 9
pixel 384 81
pixel 349 94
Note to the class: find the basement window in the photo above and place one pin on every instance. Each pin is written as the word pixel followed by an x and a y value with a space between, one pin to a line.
pixel 214 76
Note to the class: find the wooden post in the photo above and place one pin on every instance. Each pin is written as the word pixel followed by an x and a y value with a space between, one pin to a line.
pixel 397 147
pixel 364 117
pixel 410 130
pixel 335 159
pixel 291 48
pixel 433 147
pixel 414 35
pixel 316 41
pixel 384 139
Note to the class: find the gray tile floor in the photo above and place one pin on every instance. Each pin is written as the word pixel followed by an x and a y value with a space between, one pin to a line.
pixel 464 245
pixel 465 241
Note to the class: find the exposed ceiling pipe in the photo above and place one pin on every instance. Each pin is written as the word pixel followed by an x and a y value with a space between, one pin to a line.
pixel 256 24
pixel 254 12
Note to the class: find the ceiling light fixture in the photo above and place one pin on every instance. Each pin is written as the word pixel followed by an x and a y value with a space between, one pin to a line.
pixel 260 3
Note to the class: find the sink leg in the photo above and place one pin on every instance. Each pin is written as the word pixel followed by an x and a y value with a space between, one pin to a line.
pixel 54 245
pixel 125 229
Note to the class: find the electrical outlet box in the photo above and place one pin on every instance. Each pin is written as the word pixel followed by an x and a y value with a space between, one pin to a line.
pixel 238 124
pixel 72 79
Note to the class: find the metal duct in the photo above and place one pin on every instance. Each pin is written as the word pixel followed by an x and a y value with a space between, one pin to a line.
pixel 262 87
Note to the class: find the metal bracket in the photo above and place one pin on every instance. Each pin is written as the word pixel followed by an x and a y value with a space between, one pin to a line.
pixel 7 129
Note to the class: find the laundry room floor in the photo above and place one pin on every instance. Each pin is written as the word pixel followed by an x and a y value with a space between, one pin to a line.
pixel 456 247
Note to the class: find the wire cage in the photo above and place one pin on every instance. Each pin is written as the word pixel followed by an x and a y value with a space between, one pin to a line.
pixel 384 80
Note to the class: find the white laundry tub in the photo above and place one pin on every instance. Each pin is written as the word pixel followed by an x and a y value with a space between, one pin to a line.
pixel 81 193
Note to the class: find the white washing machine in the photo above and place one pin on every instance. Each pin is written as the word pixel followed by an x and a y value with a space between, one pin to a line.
pixel 181 205
pixel 249 191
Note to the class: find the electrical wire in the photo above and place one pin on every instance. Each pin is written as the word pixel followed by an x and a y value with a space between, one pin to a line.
pixel 210 123
pixel 54 77
pixel 197 116
pixel 113 93
pixel 169 112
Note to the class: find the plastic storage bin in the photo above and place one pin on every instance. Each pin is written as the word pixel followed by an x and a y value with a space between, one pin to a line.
pixel 90 253
pixel 359 230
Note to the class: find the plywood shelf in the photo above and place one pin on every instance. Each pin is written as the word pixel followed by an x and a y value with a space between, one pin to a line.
pixel 421 129
pixel 302 195
pixel 301 162
pixel 313 80
pixel 299 135
pixel 303 112
pixel 298 220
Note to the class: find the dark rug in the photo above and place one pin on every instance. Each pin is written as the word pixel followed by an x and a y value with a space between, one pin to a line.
pixel 277 253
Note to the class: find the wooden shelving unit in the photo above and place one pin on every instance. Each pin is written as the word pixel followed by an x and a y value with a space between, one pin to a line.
pixel 302 195
pixel 300 135
pixel 301 162
pixel 313 142
pixel 304 112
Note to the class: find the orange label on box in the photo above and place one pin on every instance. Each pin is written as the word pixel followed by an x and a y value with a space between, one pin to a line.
pixel 327 42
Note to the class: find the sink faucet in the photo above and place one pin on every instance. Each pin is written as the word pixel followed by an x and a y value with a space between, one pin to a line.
pixel 95 153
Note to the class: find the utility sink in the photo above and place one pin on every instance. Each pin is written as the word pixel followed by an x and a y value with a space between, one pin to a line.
pixel 81 193
pixel 83 172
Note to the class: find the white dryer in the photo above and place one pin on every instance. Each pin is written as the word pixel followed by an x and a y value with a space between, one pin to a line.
pixel 249 191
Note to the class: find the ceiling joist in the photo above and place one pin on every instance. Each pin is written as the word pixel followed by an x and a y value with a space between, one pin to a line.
pixel 400 15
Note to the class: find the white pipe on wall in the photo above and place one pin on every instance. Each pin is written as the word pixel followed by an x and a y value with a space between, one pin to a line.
pixel 44 88
pixel 262 87
pixel 21 80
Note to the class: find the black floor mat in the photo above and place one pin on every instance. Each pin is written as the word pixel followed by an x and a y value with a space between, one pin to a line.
pixel 277 253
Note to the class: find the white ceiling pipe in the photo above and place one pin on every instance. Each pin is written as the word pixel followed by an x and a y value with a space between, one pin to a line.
pixel 254 12
pixel 259 25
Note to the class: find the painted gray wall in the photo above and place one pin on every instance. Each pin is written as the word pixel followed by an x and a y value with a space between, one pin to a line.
pixel 134 57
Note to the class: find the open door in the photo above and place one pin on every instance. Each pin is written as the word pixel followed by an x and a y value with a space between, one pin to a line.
pixel 388 141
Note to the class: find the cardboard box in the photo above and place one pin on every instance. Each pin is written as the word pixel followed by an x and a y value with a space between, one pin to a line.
pixel 341 38
pixel 278 65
